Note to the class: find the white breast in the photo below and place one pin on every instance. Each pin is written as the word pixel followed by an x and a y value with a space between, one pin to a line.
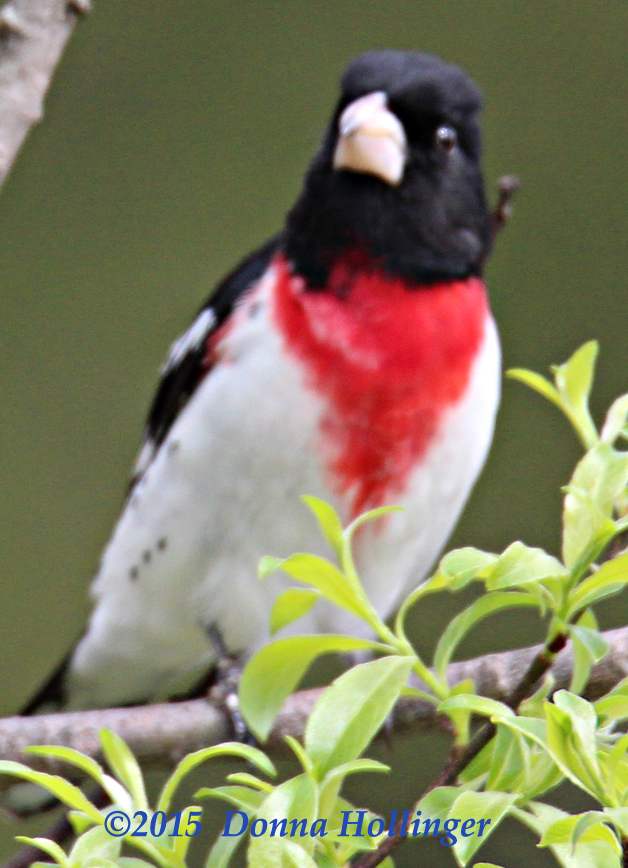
pixel 223 491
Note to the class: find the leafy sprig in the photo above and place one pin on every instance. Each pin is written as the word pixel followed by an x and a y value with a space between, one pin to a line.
pixel 506 766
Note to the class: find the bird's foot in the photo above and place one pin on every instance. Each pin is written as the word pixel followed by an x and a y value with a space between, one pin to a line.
pixel 224 691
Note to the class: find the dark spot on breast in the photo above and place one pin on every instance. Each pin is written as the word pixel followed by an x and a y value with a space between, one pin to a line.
pixel 134 573
pixel 255 308
pixel 146 556
pixel 162 543
pixel 173 447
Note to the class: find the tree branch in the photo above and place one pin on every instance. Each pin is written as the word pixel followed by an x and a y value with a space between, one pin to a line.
pixel 159 735
pixel 33 36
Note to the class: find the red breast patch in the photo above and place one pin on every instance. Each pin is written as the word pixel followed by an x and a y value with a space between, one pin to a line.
pixel 387 358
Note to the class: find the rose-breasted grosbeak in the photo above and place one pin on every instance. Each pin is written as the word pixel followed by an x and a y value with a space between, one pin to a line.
pixel 352 357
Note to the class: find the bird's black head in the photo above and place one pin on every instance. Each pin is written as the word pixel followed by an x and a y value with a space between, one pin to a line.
pixel 398 174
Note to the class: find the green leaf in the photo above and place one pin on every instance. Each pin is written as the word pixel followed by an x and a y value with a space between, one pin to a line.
pixel 124 766
pixel 192 760
pixel 459 626
pixel 429 586
pixel 538 384
pixel 350 712
pixel 610 578
pixel 574 380
pixel 614 705
pixel 134 862
pixel 328 521
pixel 299 751
pixel 464 565
pixel 589 826
pixel 582 717
pixel 419 694
pixel 461 717
pixel 477 705
pixel 294 856
pixel 58 786
pixel 582 664
pixel 599 478
pixel 370 515
pixel 571 740
pixel 222 851
pixel 48 846
pixel 249 780
pixel 243 798
pixel 364 764
pixel 531 727
pixel 509 760
pixel 118 794
pixel 619 817
pixel 479 806
pixel 159 853
pixel 296 799
pixel 275 671
pixel 615 770
pixel 97 843
pixel 347 847
pixel 331 785
pixel 326 578
pixel 99 862
pixel 437 803
pixel 533 706
pixel 586 855
pixel 615 421
pixel 181 844
pixel 67 754
pixel 542 775
pixel 290 606
pixel 268 565
pixel 589 647
pixel 80 822
pixel 520 565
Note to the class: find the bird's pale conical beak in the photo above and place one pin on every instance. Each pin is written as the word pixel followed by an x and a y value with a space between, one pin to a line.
pixel 371 139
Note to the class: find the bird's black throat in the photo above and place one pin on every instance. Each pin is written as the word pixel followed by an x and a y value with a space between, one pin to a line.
pixel 417 233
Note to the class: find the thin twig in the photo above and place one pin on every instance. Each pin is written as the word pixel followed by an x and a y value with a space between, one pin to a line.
pixel 507 186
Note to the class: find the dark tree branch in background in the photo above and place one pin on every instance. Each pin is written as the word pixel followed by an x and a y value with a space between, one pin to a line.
pixel 159 735
pixel 33 36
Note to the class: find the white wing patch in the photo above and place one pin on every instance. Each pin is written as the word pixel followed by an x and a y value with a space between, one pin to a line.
pixel 191 339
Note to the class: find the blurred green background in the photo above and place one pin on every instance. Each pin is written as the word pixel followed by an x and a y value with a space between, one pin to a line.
pixel 175 139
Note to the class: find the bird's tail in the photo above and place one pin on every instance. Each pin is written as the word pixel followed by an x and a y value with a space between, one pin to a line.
pixel 51 696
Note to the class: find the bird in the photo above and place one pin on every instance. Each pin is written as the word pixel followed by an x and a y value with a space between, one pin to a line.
pixel 353 357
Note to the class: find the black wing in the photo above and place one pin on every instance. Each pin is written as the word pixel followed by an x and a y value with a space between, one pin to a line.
pixel 185 367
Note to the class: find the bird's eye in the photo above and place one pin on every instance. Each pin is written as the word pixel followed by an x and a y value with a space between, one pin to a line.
pixel 446 138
